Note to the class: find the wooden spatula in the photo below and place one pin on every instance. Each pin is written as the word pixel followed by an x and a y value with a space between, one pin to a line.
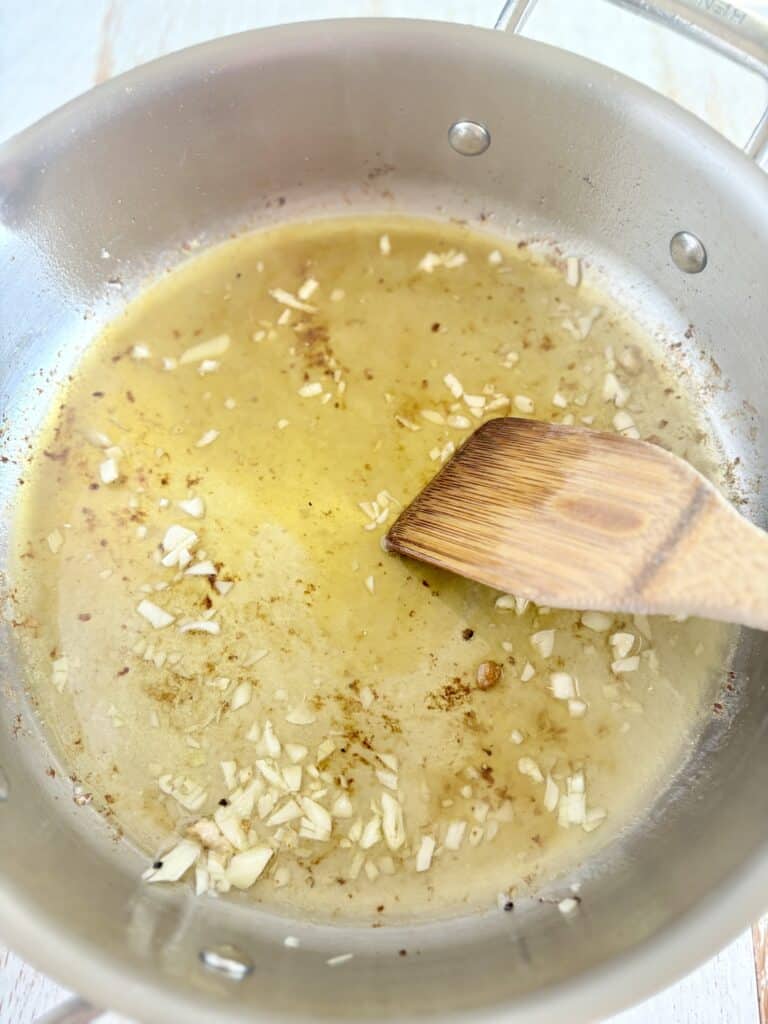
pixel 573 518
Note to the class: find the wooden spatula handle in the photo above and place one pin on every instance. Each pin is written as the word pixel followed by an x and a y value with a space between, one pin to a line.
pixel 717 565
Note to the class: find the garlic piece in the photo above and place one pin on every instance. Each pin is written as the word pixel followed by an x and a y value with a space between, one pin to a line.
pixel 109 471
pixel 194 507
pixel 599 622
pixel 245 868
pixel 205 350
pixel 154 614
pixel 544 642
pixel 175 863
pixel 424 854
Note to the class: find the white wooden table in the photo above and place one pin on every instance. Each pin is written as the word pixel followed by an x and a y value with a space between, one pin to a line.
pixel 51 50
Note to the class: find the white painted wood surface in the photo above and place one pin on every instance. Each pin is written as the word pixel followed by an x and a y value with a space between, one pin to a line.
pixel 52 50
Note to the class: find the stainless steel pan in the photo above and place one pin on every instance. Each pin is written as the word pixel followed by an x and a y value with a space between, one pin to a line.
pixel 300 121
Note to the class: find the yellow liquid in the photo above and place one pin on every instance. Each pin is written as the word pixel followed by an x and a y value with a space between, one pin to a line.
pixel 378 655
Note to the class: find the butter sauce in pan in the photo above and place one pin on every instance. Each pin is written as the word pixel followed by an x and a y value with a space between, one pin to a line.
pixel 239 676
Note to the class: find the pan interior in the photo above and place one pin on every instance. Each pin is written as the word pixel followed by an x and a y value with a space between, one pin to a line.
pixel 252 406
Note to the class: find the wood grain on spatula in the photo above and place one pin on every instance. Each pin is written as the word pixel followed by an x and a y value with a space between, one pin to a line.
pixel 574 518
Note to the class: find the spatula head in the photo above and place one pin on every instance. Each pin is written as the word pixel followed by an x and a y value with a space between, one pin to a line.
pixel 566 516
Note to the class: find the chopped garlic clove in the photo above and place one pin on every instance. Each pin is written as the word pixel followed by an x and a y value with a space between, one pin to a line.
pixel 154 614
pixel 459 422
pixel 505 601
pixel 573 271
pixel 308 289
pixel 194 507
pixel 109 471
pixel 425 853
pixel 204 568
pixel 245 868
pixel 390 761
pixel 241 696
pixel 324 751
pixel 336 961
pixel 201 626
pixel 292 776
pixel 392 822
pixel 527 766
pixel 544 642
pixel 269 739
pixel 300 716
pixel 453 384
pixel 371 834
pixel 599 622
pixel 387 778
pixel 184 791
pixel 202 880
pixel 229 771
pixel 342 807
pixel 614 392
pixel 317 823
pixel 177 544
pixel 527 673
pixel 625 664
pixel 563 685
pixel 622 644
pixel 448 259
pixel 175 863
pixel 286 299
pixel 454 835
pixel 551 794
pixel 290 811
pixel 205 350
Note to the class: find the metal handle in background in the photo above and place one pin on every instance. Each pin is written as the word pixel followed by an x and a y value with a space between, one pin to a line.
pixel 73 1011
pixel 715 23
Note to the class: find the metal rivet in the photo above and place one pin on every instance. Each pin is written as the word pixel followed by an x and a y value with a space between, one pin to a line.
pixel 687 252
pixel 469 138
pixel 3 786
pixel 226 960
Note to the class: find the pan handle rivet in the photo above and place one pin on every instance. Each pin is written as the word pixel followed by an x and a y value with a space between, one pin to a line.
pixel 227 961
pixel 687 252
pixel 469 138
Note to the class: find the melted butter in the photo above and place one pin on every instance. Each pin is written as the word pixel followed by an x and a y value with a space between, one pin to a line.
pixel 382 652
